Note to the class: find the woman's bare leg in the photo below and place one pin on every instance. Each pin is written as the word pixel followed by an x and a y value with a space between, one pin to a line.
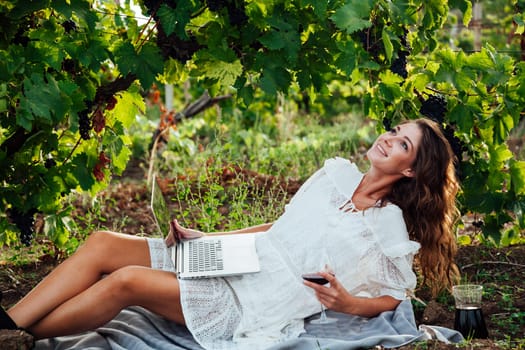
pixel 155 290
pixel 102 253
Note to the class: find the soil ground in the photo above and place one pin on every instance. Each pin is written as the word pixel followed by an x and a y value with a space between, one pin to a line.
pixel 499 270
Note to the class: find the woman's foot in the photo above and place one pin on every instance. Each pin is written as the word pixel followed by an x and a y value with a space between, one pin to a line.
pixel 6 322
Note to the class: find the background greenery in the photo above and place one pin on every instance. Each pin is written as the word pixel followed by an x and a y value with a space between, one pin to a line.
pixel 303 80
pixel 82 100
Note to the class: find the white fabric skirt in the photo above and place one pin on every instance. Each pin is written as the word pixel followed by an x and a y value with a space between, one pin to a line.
pixel 211 309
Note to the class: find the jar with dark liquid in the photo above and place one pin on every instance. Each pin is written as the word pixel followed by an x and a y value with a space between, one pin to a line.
pixel 470 323
pixel 469 320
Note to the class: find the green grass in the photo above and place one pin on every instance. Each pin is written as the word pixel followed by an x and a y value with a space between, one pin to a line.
pixel 296 153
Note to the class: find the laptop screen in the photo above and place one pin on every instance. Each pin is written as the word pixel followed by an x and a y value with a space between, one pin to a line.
pixel 159 207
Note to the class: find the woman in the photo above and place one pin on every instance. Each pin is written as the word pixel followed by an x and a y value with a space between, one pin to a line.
pixel 372 225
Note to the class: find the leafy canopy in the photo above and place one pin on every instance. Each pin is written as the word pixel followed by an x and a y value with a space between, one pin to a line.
pixel 73 73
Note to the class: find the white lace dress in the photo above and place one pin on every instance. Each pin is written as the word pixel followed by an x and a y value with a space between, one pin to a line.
pixel 370 252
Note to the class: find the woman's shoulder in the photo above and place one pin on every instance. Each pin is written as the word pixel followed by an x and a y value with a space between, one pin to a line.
pixel 343 173
pixel 340 162
pixel 389 228
pixel 386 216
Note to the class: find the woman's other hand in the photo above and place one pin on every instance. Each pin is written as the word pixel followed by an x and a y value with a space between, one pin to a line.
pixel 177 232
pixel 334 297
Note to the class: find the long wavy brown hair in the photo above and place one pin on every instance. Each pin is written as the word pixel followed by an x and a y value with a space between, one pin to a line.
pixel 428 201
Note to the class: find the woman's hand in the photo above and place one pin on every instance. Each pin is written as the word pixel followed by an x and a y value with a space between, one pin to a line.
pixel 334 297
pixel 177 232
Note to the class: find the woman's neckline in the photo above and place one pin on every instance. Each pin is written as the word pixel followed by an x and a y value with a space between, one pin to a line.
pixel 350 207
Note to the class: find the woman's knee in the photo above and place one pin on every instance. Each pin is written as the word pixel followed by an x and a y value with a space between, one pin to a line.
pixel 98 249
pixel 101 242
pixel 111 251
pixel 125 283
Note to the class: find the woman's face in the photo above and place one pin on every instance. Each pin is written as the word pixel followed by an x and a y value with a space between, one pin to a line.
pixel 394 152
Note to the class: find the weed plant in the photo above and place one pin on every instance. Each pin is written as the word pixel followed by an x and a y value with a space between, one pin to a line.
pixel 296 152
pixel 199 153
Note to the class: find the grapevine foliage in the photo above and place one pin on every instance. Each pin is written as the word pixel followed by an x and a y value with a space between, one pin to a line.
pixel 62 105
pixel 73 77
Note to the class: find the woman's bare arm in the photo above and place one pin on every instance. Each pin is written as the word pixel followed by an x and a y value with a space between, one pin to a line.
pixel 178 232
pixel 336 297
pixel 251 229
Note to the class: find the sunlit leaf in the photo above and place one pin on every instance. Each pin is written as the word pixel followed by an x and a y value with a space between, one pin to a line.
pixel 225 72
pixel 389 48
pixel 353 16
pixel 517 173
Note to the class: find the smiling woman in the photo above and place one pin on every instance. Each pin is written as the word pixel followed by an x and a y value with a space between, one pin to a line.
pixel 392 156
pixel 371 247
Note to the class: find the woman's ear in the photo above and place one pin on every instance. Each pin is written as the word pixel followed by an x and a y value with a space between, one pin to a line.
pixel 408 172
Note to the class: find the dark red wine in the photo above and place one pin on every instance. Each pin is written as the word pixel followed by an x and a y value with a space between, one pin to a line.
pixel 469 321
pixel 313 277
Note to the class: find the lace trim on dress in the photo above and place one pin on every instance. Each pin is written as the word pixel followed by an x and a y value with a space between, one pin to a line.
pixel 389 276
pixel 337 199
pixel 341 202
pixel 350 207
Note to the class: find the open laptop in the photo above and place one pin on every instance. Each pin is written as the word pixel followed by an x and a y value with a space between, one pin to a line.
pixel 207 256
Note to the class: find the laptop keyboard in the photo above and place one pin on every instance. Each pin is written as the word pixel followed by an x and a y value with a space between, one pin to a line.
pixel 205 256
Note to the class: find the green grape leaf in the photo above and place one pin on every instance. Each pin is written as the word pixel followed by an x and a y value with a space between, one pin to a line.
pixel 390 87
pixel 120 153
pixel 464 240
pixel 129 104
pixel 389 48
pixel 499 155
pixel 90 52
pixel 462 115
pixel 174 72
pixel 275 79
pixel 347 59
pixel 319 7
pixel 12 62
pixel 519 19
pixel 145 64
pixel 58 227
pixel 224 72
pixel 246 93
pixel 81 170
pixel 3 97
pixel 503 123
pixel 353 16
pixel 174 20
pixel 48 100
pixel 283 37
pixel 168 18
pixel 517 174
pixel 272 40
pixel 81 9
pixel 466 9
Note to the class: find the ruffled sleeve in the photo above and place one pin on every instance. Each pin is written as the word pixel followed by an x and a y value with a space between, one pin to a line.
pixel 344 175
pixel 305 187
pixel 392 253
pixel 390 231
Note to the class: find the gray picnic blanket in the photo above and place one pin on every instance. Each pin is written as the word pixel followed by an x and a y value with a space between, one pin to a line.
pixel 137 328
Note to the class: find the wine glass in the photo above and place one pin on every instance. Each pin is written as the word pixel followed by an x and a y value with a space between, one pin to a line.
pixel 326 266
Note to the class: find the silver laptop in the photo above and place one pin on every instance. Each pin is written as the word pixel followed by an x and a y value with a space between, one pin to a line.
pixel 208 256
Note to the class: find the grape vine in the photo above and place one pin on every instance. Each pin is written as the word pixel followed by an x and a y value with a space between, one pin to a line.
pixel 73 76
